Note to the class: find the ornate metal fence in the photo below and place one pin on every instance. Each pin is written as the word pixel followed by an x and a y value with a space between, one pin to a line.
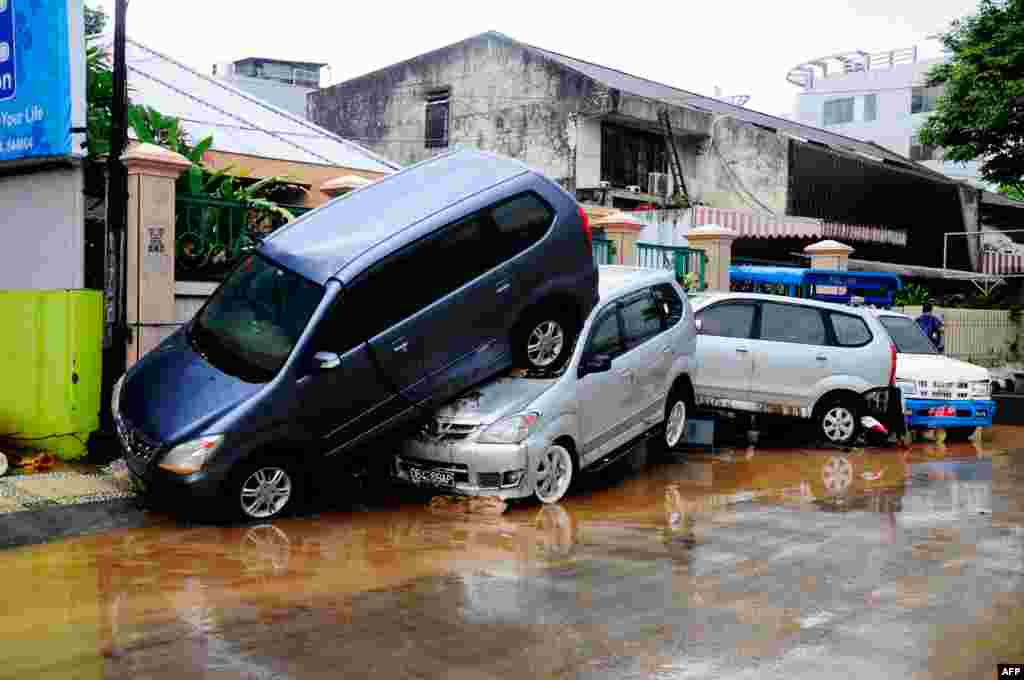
pixel 211 235
pixel 604 251
pixel 684 261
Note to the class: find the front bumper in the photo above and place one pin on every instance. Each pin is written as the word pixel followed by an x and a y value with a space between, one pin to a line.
pixel 497 470
pixel 969 413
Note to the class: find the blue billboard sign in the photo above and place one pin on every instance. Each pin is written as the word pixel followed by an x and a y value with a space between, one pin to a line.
pixel 35 79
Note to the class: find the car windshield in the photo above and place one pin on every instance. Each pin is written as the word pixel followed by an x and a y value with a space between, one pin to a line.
pixel 907 335
pixel 251 323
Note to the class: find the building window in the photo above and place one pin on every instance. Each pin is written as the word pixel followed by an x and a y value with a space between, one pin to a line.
pixel 628 156
pixel 870 107
pixel 838 111
pixel 437 119
pixel 924 99
pixel 922 152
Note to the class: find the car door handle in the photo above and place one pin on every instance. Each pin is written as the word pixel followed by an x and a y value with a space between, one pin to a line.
pixel 503 287
pixel 821 357
pixel 401 346
pixel 627 375
pixel 740 350
pixel 667 349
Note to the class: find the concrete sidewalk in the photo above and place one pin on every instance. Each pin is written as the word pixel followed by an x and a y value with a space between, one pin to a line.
pixel 35 508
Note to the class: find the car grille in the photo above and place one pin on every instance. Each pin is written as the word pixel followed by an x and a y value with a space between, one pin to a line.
pixel 137 444
pixel 488 480
pixel 446 430
pixel 943 389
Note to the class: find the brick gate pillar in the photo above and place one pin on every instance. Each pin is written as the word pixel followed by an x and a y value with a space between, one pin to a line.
pixel 716 242
pixel 152 172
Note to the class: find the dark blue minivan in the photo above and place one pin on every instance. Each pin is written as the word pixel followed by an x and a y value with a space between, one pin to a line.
pixel 356 321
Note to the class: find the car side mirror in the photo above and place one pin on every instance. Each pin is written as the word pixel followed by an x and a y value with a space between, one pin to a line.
pixel 597 363
pixel 325 361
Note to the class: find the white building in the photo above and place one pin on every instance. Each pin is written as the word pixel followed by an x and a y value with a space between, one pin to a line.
pixel 284 84
pixel 878 98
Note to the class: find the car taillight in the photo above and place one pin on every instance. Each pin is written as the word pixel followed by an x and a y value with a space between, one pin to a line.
pixel 892 364
pixel 586 226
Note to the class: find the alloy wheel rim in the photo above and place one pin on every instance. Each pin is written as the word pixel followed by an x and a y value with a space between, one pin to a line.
pixel 545 343
pixel 553 474
pixel 838 424
pixel 266 492
pixel 837 475
pixel 676 423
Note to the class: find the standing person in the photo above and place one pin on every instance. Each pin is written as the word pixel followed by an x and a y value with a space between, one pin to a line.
pixel 932 326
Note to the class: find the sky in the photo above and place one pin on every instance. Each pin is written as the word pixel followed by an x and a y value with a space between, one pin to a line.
pixel 743 47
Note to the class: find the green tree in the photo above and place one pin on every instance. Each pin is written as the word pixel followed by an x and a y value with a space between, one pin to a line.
pixel 95 21
pixel 99 86
pixel 981 112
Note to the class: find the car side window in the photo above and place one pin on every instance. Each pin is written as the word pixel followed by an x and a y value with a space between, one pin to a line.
pixel 792 323
pixel 729 320
pixel 641 318
pixel 669 303
pixel 606 337
pixel 849 330
pixel 519 223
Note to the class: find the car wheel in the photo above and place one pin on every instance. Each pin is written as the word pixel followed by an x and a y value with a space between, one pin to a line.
pixel 264 489
pixel 553 473
pixel 545 339
pixel 839 421
pixel 959 434
pixel 676 411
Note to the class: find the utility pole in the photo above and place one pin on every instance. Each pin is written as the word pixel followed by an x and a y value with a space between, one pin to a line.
pixel 117 212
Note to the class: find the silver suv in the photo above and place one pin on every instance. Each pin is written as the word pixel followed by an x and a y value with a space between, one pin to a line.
pixel 792 357
pixel 524 435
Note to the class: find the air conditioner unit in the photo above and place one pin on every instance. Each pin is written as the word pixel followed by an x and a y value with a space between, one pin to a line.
pixel 604 184
pixel 658 183
pixel 634 188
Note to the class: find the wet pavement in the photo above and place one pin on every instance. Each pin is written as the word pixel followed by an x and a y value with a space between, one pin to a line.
pixel 744 563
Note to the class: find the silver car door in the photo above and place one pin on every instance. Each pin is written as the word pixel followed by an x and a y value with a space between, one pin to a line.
pixel 726 366
pixel 603 398
pixel 791 355
pixel 648 357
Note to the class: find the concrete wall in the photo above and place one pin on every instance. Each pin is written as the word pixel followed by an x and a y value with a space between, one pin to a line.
pixel 748 159
pixel 503 98
pixel 189 296
pixel 44 230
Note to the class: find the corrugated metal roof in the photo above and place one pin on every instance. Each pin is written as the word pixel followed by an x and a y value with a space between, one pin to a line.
pixel 239 122
pixel 642 87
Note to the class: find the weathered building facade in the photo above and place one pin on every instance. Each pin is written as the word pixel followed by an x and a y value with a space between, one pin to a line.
pixel 494 93
pixel 602 134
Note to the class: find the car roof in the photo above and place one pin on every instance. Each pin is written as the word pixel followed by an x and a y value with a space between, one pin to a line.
pixel 616 280
pixel 704 299
pixel 320 243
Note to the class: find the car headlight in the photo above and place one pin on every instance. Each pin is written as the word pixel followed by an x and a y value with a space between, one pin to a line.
pixel 184 459
pixel 115 397
pixel 981 388
pixel 511 430
pixel 908 388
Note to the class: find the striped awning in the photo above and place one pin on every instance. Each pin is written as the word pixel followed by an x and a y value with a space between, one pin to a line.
pixel 755 225
pixel 1002 263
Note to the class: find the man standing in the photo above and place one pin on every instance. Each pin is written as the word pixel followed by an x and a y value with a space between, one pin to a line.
pixel 932 326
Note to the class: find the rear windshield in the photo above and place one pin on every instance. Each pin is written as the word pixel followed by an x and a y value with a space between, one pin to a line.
pixel 251 323
pixel 907 335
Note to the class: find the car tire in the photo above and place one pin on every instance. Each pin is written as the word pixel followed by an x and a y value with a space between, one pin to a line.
pixel 838 421
pixel 959 434
pixel 554 471
pixel 263 489
pixel 545 338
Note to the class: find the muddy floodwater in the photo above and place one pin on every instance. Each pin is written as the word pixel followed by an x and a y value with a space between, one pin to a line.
pixel 735 563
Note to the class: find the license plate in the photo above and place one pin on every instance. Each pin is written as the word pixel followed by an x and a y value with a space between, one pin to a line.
pixel 942 411
pixel 432 477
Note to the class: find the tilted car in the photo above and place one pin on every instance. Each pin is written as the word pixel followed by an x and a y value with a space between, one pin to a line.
pixel 352 322
pixel 801 358
pixel 938 391
pixel 522 435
